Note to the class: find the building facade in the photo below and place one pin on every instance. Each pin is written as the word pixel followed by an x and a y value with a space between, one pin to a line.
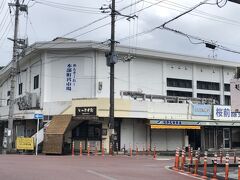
pixel 156 93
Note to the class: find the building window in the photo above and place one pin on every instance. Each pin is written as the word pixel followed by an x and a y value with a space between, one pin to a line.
pixel 8 102
pixel 8 93
pixel 20 86
pixel 227 87
pixel 209 96
pixel 208 85
pixel 227 100
pixel 179 93
pixel 36 82
pixel 181 83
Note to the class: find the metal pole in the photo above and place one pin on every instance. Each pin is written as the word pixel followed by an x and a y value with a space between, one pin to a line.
pixel 37 137
pixel 112 51
pixel 12 74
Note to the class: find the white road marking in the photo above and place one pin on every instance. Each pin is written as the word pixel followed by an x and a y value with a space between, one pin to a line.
pixel 163 159
pixel 168 168
pixel 150 165
pixel 101 175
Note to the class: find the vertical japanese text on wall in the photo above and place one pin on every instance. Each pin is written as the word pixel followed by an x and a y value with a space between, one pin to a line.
pixel 71 71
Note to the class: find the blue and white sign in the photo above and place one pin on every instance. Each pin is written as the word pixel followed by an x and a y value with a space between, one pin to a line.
pixel 173 122
pixel 71 76
pixel 201 110
pixel 38 116
pixel 225 113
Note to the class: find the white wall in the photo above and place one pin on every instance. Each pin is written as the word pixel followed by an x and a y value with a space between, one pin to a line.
pixel 55 67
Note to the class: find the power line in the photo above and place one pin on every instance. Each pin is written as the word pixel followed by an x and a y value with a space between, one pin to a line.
pixel 87 25
pixel 119 19
pixel 201 41
pixel 74 9
pixel 67 5
pixel 198 13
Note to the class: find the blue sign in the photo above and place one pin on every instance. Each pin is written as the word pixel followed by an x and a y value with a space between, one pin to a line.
pixel 201 110
pixel 38 116
pixel 168 122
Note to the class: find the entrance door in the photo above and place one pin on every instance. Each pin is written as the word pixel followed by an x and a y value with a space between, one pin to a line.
pixel 226 138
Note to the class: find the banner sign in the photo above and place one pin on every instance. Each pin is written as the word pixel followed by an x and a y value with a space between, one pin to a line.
pixel 225 113
pixel 24 143
pixel 201 110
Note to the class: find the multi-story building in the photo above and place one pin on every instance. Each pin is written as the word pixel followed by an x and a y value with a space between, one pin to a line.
pixel 159 96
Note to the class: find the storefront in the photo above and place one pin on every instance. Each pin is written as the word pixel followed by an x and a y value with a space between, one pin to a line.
pixel 169 134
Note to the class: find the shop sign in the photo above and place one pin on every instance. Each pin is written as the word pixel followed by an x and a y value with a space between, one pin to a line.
pixel 201 110
pixel 173 122
pixel 92 111
pixel 24 143
pixel 166 122
pixel 225 113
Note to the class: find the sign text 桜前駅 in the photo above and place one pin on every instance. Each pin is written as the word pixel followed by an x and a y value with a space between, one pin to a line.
pixel 225 113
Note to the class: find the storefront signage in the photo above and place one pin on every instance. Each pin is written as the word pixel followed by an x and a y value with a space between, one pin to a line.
pixel 225 113
pixel 201 110
pixel 174 127
pixel 80 111
pixel 166 122
pixel 173 122
pixel 23 143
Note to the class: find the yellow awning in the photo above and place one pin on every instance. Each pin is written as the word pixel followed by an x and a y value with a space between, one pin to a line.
pixel 174 127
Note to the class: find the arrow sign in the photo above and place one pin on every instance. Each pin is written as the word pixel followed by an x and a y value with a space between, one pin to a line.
pixel 38 116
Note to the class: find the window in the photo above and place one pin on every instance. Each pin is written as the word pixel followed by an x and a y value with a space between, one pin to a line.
pixel 227 87
pixel 209 96
pixel 8 93
pixel 227 100
pixel 36 82
pixel 179 93
pixel 182 83
pixel 208 85
pixel 8 102
pixel 20 86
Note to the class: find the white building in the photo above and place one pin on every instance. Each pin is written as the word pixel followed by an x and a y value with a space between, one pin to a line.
pixel 64 76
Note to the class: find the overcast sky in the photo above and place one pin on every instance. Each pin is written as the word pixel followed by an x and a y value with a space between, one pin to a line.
pixel 46 20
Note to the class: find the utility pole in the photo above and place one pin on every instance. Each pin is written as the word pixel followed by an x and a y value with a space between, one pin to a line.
pixel 112 59
pixel 112 62
pixel 16 46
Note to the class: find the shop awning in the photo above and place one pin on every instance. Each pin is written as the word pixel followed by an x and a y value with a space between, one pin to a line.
pixel 174 127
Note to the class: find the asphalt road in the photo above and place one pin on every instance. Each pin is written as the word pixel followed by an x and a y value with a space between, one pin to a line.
pixel 30 167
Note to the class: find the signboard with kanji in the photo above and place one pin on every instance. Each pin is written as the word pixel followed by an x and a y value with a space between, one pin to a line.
pixel 92 110
pixel 70 77
pixel 225 113
pixel 24 143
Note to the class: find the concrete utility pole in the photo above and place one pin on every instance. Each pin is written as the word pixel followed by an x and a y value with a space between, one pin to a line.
pixel 113 60
pixel 16 42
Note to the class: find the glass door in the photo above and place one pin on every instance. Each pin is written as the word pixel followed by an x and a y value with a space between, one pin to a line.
pixel 226 138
